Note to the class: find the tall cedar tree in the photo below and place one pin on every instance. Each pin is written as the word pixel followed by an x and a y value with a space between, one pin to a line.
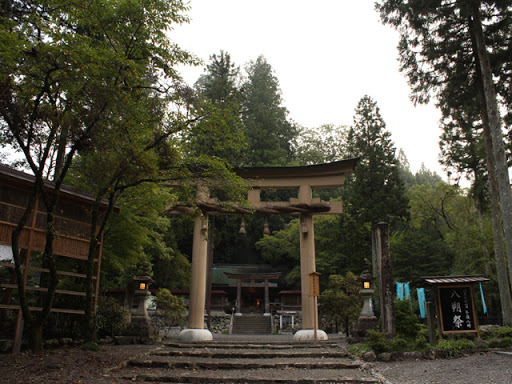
pixel 376 191
pixel 221 132
pixel 267 129
pixel 457 49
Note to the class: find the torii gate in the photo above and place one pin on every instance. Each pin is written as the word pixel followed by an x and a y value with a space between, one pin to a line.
pixel 302 178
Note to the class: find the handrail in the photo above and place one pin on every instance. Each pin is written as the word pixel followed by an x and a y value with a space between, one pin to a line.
pixel 231 321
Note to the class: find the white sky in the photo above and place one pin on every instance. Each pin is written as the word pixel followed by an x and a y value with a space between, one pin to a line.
pixel 326 54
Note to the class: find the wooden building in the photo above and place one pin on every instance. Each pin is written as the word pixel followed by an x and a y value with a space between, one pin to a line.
pixel 71 247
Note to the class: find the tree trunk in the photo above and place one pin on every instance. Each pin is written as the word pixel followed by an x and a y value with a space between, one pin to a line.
pixel 36 336
pixel 497 226
pixel 497 231
pixel 502 175
pixel 95 235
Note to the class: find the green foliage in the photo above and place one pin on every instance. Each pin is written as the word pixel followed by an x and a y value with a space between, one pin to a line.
pixel 377 341
pixel 358 349
pixel 268 132
pixel 499 333
pixel 506 342
pixel 340 301
pixel 340 245
pixel 444 236
pixel 88 81
pixel 136 233
pixel 324 144
pixel 422 342
pixel 454 347
pixel 406 321
pixel 90 346
pixel 111 317
pixel 399 344
pixel 170 309
pixel 375 192
pixel 220 133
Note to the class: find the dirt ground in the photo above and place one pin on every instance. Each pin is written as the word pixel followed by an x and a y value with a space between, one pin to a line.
pixel 71 365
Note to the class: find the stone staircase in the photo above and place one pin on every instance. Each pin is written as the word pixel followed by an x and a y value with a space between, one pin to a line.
pixel 252 324
pixel 238 362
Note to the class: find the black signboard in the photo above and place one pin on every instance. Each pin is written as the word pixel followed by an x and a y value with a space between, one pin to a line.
pixel 457 309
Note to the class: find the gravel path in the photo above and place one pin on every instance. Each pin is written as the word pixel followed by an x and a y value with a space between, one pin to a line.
pixel 485 368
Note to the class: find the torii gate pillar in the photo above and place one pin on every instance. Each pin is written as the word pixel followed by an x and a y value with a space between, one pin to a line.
pixel 307 266
pixel 196 331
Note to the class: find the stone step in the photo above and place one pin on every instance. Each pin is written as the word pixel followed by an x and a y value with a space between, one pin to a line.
pixel 236 362
pixel 228 365
pixel 252 325
pixel 278 345
pixel 226 354
pixel 259 376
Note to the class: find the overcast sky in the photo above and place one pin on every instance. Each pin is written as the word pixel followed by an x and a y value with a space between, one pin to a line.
pixel 326 54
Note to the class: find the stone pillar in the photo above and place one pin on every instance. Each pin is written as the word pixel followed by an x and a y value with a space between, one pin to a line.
pixel 307 266
pixel 196 331
pixel 238 311
pixel 267 300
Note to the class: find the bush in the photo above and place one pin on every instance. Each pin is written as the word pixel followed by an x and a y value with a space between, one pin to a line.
pixel 422 342
pixel 358 349
pixel 90 346
pixel 506 342
pixel 407 323
pixel 497 333
pixel 377 341
pixel 398 344
pixel 170 310
pixel 453 347
pixel 111 317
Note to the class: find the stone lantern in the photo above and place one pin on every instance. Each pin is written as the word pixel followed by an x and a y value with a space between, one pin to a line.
pixel 367 319
pixel 140 323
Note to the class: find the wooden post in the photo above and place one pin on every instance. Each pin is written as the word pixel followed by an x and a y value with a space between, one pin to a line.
pixel 431 321
pixel 386 282
pixel 314 291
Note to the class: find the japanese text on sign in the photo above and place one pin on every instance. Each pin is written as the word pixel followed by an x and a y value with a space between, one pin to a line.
pixel 314 284
pixel 457 309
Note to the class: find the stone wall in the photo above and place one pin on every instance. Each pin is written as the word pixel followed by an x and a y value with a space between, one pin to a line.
pixel 220 323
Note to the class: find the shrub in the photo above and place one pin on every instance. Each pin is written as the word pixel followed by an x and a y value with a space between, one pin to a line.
pixel 407 323
pixel 453 347
pixel 422 342
pixel 377 341
pixel 506 342
pixel 358 349
pixel 170 310
pixel 90 346
pixel 498 332
pixel 111 317
pixel 398 344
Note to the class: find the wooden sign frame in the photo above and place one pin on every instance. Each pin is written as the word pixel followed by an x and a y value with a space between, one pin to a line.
pixel 457 311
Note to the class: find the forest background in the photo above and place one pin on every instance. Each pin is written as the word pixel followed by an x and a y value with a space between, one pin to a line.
pixel 91 98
